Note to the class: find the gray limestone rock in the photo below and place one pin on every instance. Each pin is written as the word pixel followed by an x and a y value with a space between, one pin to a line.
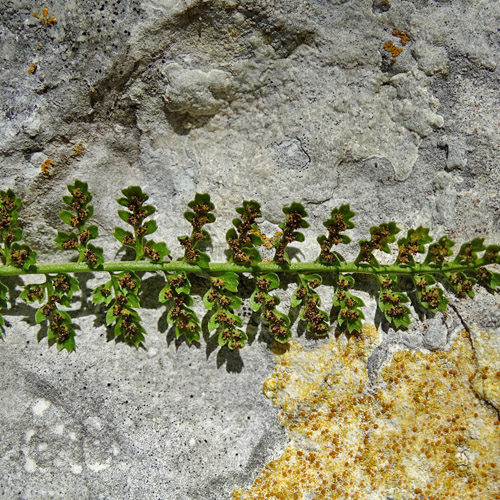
pixel 245 99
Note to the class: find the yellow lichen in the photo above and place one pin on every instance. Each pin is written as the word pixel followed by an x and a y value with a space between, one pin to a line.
pixel 48 21
pixel 402 36
pixel 424 433
pixel 79 149
pixel 45 167
pixel 394 51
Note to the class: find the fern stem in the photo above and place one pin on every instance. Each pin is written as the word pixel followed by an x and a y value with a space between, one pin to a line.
pixel 218 267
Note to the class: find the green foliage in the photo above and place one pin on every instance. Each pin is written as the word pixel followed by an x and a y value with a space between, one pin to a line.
pixel 243 240
pixel 121 296
pixel 56 291
pixel 430 296
pixel 134 200
pixel 349 312
pixel 304 295
pixel 391 302
pixel 439 251
pixel 339 222
pixel 295 215
pixel 12 252
pixel 414 243
pixel 202 214
pixel 220 299
pixel 261 300
pixel 77 219
pixel 177 294
pixel 424 270
pixel 381 236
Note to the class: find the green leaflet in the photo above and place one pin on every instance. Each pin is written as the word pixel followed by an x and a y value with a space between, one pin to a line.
pixel 488 279
pixel 77 218
pixel 304 295
pixel 219 299
pixel 55 292
pixel 121 297
pixel 438 252
pixel 11 251
pixel 468 251
pixel 295 214
pixel 339 221
pixel 391 302
pixel 349 314
pixel 381 236
pixel 260 300
pixel 414 243
pixel 461 284
pixel 430 295
pixel 245 236
pixel 134 199
pixel 176 294
pixel 201 215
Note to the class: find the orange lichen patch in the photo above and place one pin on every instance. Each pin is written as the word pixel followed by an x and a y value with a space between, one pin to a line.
pixel 45 166
pixel 423 433
pixel 48 21
pixel 395 51
pixel 79 149
pixel 402 36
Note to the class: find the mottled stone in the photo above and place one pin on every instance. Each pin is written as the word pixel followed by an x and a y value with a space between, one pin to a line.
pixel 388 105
pixel 420 429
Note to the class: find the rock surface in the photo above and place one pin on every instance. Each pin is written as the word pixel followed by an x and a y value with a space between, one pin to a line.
pixel 420 429
pixel 389 105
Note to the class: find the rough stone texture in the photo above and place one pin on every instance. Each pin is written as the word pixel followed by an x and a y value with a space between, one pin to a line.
pixel 274 101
